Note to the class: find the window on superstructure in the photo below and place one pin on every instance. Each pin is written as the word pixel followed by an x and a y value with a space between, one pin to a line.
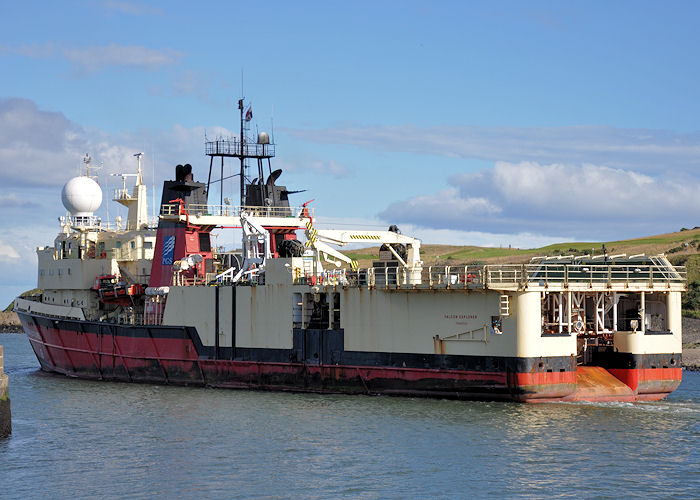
pixel 147 245
pixel 118 244
pixel 132 244
pixel 655 314
pixel 204 242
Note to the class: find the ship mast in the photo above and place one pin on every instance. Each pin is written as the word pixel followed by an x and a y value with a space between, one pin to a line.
pixel 240 148
pixel 242 179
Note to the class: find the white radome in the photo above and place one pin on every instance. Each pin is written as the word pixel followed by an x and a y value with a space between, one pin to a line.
pixel 81 196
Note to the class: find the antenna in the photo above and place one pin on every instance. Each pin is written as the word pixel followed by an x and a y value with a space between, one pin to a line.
pixel 153 185
pixel 139 180
pixel 87 160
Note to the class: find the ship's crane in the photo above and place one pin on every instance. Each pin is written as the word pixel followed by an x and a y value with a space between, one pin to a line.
pixel 320 239
pixel 256 249
pixel 256 241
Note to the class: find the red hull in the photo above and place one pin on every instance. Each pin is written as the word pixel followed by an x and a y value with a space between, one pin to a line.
pixel 151 358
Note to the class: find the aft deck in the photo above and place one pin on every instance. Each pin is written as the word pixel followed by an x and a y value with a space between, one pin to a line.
pixel 629 273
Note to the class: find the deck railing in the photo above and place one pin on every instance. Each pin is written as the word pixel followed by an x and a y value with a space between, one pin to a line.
pixel 174 209
pixel 592 274
pixel 496 276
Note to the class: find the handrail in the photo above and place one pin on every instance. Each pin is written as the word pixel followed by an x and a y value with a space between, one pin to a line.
pixel 498 275
pixel 584 273
pixel 174 209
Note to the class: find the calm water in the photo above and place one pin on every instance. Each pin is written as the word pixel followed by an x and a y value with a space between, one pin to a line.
pixel 83 439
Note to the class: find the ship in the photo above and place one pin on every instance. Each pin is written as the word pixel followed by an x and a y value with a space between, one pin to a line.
pixel 155 301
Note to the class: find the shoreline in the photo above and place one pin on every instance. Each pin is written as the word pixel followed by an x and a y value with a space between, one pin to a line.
pixel 9 324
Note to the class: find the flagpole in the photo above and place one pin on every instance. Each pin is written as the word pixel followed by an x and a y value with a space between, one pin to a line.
pixel 240 107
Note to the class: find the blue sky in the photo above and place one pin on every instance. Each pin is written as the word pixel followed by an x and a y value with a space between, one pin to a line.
pixel 494 123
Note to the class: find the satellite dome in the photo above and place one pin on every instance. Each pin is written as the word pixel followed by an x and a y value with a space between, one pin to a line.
pixel 81 196
pixel 263 138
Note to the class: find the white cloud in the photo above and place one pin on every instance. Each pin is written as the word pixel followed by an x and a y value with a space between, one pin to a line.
pixel 89 59
pixel 309 163
pixel 449 203
pixel 443 236
pixel 130 8
pixel 51 161
pixel 12 200
pixel 585 201
pixel 7 253
pixel 639 149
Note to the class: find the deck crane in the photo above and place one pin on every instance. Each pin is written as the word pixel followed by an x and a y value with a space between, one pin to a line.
pixel 321 239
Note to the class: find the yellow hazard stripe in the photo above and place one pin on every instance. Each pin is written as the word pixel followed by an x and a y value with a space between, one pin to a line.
pixel 365 237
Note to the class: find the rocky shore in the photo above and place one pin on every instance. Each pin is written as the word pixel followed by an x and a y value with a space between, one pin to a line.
pixel 691 344
pixel 9 322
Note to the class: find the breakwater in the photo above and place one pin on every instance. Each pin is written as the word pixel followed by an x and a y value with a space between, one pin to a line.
pixel 5 414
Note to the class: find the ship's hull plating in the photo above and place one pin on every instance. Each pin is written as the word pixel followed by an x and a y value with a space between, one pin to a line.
pixel 175 355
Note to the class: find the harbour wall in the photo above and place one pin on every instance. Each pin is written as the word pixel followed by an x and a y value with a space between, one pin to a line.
pixel 5 414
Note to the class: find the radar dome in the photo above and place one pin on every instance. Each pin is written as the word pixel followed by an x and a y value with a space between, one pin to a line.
pixel 263 138
pixel 81 196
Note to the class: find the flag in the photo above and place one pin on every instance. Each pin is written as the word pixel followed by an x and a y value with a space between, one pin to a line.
pixel 249 114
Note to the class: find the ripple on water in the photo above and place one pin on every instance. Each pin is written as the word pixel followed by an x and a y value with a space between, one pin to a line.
pixel 89 439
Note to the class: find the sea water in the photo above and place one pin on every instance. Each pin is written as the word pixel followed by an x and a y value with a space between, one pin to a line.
pixel 86 439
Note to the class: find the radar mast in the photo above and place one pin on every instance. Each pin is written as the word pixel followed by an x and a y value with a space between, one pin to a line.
pixel 241 148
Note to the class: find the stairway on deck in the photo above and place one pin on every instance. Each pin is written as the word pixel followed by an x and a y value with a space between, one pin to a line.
pixel 595 383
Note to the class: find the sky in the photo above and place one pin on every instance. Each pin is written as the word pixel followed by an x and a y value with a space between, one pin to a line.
pixel 469 123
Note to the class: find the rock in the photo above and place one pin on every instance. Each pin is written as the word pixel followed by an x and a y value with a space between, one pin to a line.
pixel 9 319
